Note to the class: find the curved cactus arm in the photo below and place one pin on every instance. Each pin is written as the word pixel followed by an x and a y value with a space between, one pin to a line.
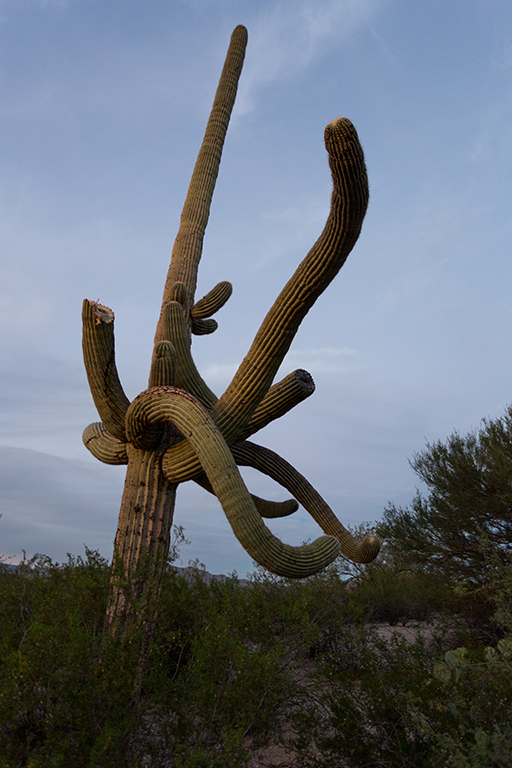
pixel 187 375
pixel 103 445
pixel 100 364
pixel 264 460
pixel 234 410
pixel 280 398
pixel 213 301
pixel 168 404
pixel 163 366
pixel 204 327
pixel 349 201
pixel 188 245
pixel 266 508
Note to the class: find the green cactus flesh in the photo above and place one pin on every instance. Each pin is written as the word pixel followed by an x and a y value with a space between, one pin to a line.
pixel 164 405
pixel 235 408
pixel 213 301
pixel 265 508
pixel 178 430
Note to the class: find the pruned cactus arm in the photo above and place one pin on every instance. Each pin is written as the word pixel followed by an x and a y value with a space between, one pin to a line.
pixel 249 454
pixel 280 398
pixel 349 201
pixel 188 245
pixel 266 508
pixel 168 404
pixel 100 364
pixel 103 445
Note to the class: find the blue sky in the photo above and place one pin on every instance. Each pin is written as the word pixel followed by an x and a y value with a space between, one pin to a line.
pixel 103 108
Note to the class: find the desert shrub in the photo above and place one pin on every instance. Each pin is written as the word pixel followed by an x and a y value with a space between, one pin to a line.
pixel 466 511
pixel 64 698
pixel 393 595
pixel 218 675
pixel 227 653
pixel 388 702
pixel 226 668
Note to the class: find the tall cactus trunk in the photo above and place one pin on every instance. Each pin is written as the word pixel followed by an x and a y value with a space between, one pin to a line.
pixel 178 430
pixel 141 545
pixel 142 542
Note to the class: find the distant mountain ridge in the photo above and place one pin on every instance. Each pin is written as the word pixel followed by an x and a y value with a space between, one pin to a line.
pixel 190 573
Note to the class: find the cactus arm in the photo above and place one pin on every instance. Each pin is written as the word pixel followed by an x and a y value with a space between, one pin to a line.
pixel 99 358
pixel 163 366
pixel 348 207
pixel 213 301
pixel 171 405
pixel 268 509
pixel 234 410
pixel 264 460
pixel 280 398
pixel 188 245
pixel 187 375
pixel 201 313
pixel 204 327
pixel 103 445
pixel 180 465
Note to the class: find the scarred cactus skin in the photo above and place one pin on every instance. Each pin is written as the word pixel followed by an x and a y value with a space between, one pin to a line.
pixel 178 430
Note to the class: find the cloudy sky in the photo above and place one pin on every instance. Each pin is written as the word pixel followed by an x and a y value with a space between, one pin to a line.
pixel 102 110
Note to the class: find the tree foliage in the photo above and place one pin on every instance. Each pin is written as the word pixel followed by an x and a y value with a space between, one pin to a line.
pixel 462 527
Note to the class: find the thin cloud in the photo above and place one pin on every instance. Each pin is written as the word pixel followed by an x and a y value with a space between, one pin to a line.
pixel 219 375
pixel 286 39
pixel 322 359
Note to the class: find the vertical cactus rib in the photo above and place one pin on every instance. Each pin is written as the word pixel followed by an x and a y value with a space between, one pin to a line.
pixel 100 365
pixel 163 366
pixel 187 375
pixel 266 508
pixel 143 534
pixel 103 445
pixel 195 423
pixel 188 245
pixel 268 462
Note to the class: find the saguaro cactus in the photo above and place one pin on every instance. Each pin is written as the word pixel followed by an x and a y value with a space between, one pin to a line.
pixel 177 430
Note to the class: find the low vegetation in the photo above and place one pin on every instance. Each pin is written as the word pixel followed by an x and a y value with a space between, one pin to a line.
pixel 406 661
pixel 233 669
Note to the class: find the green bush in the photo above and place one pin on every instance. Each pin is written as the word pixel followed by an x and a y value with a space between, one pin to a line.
pixel 64 698
pixel 218 672
pixel 230 666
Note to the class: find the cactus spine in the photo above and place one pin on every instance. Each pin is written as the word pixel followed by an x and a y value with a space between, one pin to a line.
pixel 177 430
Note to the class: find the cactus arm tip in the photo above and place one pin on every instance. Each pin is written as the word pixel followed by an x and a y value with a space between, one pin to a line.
pixel 99 359
pixel 270 463
pixel 103 445
pixel 188 245
pixel 266 508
